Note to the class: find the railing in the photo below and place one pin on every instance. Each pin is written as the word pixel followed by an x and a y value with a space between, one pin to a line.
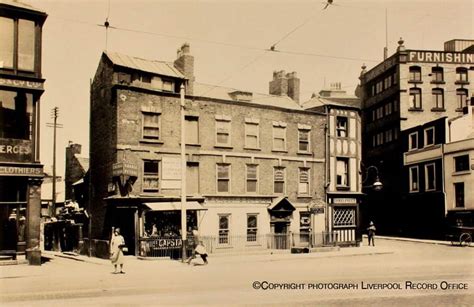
pixel 172 247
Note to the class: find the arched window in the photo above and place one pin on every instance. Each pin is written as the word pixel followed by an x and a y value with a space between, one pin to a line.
pixel 461 74
pixel 415 73
pixel 461 94
pixel 437 74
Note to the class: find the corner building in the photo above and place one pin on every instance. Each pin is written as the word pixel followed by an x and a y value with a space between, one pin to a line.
pixel 255 162
pixel 21 86
pixel 409 89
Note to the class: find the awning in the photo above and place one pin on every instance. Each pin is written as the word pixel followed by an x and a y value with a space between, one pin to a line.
pixel 174 206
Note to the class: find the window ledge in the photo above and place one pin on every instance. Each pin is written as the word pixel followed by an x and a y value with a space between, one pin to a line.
pixel 193 145
pixel 461 82
pixel 459 110
pixel 224 146
pixel 414 191
pixel 460 173
pixel 304 196
pixel 279 150
pixel 250 244
pixel 415 109
pixel 415 81
pixel 252 148
pixel 437 82
pixel 306 153
pixel 224 246
pixel 342 188
pixel 151 141
pixel 438 110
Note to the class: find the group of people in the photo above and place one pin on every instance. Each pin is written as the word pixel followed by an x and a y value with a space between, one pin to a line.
pixel 117 248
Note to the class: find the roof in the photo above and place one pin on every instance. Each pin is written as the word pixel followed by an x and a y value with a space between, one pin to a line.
pixel 84 162
pixel 21 5
pixel 151 66
pixel 318 101
pixel 224 93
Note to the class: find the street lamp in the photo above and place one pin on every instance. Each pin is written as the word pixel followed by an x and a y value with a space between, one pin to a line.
pixel 377 185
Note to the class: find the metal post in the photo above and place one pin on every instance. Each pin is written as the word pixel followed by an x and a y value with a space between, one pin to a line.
pixel 183 177
pixel 53 199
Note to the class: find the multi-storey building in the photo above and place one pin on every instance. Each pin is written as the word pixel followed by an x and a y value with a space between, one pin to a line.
pixel 343 153
pixel 21 86
pixel 408 89
pixel 255 162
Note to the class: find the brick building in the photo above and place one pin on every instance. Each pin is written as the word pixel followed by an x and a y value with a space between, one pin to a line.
pixel 21 86
pixel 255 162
pixel 75 178
pixel 344 148
pixel 408 89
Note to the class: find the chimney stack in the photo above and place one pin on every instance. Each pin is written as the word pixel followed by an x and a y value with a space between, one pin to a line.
pixel 185 64
pixel 285 84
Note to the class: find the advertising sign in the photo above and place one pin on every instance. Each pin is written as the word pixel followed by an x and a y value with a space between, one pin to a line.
pixel 13 150
pixel 171 178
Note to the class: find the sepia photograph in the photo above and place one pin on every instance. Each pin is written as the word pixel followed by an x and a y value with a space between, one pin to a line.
pixel 236 153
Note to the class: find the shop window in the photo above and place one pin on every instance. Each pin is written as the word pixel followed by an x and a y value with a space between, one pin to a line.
pixel 16 115
pixel 437 74
pixel 461 163
pixel 461 75
pixel 430 177
pixel 150 176
pixel 223 178
pixel 192 129
pixel 192 178
pixel 304 182
pixel 413 141
pixel 303 140
pixel 151 125
pixel 415 98
pixel 413 180
pixel 344 217
pixel 429 136
pixel 305 226
pixel 438 98
pixel 415 73
pixel 252 227
pixel 252 178
pixel 252 135
pixel 279 137
pixel 459 194
pixel 224 229
pixel 342 126
pixel 461 94
pixel 342 172
pixel 223 132
pixel 279 180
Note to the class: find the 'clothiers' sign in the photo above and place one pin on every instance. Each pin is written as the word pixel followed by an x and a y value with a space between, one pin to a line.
pixel 21 171
pixel 440 57
pixel 12 150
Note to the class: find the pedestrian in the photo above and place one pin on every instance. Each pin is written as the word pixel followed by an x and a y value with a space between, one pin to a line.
pixel 198 248
pixel 371 233
pixel 117 245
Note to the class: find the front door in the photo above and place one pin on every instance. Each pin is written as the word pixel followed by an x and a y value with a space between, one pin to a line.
pixel 281 239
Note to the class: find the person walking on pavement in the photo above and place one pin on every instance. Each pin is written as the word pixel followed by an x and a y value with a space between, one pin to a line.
pixel 371 233
pixel 117 244
pixel 198 248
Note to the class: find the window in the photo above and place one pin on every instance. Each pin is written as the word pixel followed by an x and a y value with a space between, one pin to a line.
pixel 413 141
pixel 305 226
pixel 379 112
pixel 344 217
pixel 415 98
pixel 223 178
pixel 415 73
pixel 252 229
pixel 459 194
pixel 150 176
pixel 380 138
pixel 252 178
pixel 251 135
pixel 388 136
pixel 461 94
pixel 461 163
pixel 279 180
pixel 461 75
pixel 379 87
pixel 437 74
pixel 388 108
pixel 341 127
pixel 16 115
pixel 23 47
pixel 192 129
pixel 168 86
pixel 303 140
pixel 303 183
pixel 413 179
pixel 192 178
pixel 429 136
pixel 342 172
pixel 224 228
pixel 151 125
pixel 279 136
pixel 430 177
pixel 223 132
pixel 438 98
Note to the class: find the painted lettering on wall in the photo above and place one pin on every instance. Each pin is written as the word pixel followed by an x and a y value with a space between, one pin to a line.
pixel 441 57
pixel 15 150
pixel 22 83
pixel 21 171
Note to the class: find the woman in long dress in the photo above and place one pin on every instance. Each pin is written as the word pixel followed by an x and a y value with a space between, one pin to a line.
pixel 117 243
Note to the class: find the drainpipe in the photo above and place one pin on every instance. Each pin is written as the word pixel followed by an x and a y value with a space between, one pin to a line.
pixel 327 178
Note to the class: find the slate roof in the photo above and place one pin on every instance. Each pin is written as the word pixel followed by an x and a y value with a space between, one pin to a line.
pixel 155 67
pixel 318 101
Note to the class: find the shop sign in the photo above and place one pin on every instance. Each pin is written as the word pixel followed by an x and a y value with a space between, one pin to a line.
pixel 12 150
pixel 22 83
pixel 21 171
pixel 317 210
pixel 441 57
pixel 171 177
pixel 124 169
pixel 344 201
pixel 167 243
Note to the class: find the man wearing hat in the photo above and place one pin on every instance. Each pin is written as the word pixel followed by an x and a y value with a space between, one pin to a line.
pixel 371 233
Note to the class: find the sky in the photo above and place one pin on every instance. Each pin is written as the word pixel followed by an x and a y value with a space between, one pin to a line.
pixel 228 40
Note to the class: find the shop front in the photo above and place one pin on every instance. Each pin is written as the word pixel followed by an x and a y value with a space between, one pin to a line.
pixel 344 218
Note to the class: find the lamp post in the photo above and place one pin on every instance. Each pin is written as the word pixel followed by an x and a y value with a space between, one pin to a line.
pixel 183 177
pixel 377 185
